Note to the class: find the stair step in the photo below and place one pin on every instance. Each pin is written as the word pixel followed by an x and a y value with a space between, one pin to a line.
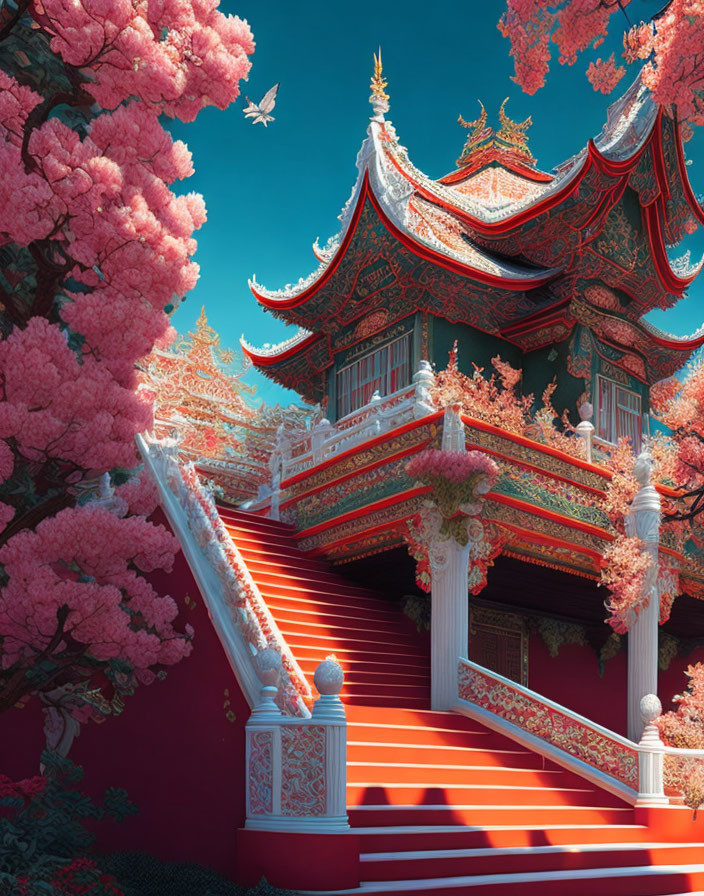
pixel 400 701
pixel 361 752
pixel 491 795
pixel 333 608
pixel 513 860
pixel 278 541
pixel 300 638
pixel 402 838
pixel 383 813
pixel 324 591
pixel 644 880
pixel 398 773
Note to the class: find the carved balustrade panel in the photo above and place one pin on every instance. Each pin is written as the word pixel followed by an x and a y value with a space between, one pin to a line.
pixel 261 772
pixel 303 784
pixel 566 731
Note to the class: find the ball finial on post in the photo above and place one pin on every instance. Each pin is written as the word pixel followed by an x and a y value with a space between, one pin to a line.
pixel 329 679
pixel 268 666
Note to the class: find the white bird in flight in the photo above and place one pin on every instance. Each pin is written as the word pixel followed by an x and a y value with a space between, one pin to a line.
pixel 259 112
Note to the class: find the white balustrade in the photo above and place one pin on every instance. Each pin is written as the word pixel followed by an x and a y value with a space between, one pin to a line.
pixel 297 768
pixel 298 452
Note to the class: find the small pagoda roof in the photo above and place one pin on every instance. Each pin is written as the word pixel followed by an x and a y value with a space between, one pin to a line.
pixel 511 238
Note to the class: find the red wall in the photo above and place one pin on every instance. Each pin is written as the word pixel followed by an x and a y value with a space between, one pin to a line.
pixel 173 749
pixel 572 679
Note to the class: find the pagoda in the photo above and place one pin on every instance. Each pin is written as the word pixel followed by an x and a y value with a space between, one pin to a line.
pixel 553 271
pixel 201 399
pixel 409 609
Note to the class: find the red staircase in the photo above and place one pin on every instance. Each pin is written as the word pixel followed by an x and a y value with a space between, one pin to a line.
pixel 441 803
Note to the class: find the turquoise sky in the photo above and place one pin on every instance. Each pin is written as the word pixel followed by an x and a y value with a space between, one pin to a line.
pixel 271 191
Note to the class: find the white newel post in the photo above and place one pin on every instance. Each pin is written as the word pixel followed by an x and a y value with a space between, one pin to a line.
pixel 449 617
pixel 297 768
pixel 329 710
pixel 585 429
pixel 651 756
pixel 644 522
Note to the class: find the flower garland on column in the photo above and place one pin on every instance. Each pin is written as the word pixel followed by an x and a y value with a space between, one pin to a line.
pixel 460 481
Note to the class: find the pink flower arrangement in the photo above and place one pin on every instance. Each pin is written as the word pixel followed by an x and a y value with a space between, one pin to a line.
pixel 455 466
pixel 625 569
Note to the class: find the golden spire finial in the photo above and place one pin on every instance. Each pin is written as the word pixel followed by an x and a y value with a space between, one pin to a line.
pixel 204 332
pixel 379 98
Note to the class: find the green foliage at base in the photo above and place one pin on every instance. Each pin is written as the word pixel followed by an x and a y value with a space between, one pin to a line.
pixel 43 840
pixel 141 874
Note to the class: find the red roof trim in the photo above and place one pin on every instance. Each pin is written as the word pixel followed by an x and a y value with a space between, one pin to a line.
pixel 461 174
pixel 668 278
pixel 455 267
pixel 697 210
pixel 417 248
pixel 271 360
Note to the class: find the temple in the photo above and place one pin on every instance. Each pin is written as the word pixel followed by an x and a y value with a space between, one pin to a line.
pixel 401 584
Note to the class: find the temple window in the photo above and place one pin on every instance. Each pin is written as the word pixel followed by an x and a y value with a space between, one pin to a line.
pixel 386 369
pixel 618 413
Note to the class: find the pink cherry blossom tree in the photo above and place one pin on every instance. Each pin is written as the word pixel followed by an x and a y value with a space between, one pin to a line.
pixel 669 46
pixel 95 251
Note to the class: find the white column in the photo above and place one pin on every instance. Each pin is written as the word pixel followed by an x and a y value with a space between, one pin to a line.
pixel 650 759
pixel 644 521
pixel 449 615
pixel 449 620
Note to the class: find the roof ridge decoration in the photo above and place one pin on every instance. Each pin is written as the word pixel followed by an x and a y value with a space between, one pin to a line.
pixel 511 137
pixel 378 84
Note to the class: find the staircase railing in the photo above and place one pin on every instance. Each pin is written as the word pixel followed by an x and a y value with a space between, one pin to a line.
pixel 297 768
pixel 637 772
pixel 239 612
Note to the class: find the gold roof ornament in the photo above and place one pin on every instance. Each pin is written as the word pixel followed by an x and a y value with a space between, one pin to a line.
pixel 513 133
pixel 378 97
pixel 512 136
pixel 478 133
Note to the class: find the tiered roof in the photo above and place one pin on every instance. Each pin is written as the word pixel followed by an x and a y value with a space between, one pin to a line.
pixel 200 398
pixel 502 246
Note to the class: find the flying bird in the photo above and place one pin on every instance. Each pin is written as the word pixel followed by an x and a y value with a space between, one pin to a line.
pixel 260 112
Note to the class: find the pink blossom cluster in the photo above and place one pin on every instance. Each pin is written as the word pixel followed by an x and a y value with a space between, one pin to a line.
pixel 625 568
pixel 604 74
pixel 57 407
pixel 113 611
pixel 140 494
pixel 455 466
pixel 178 55
pixel 670 45
pixel 675 71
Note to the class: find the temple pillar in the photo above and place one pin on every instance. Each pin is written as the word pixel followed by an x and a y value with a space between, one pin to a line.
pixel 449 614
pixel 643 521
pixel 449 625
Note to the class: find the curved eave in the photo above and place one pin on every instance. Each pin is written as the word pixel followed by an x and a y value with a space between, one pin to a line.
pixel 695 206
pixel 507 281
pixel 669 278
pixel 685 344
pixel 274 357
